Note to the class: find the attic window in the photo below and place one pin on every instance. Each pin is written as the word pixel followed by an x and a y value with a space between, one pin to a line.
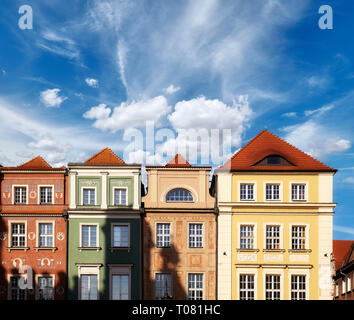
pixel 273 160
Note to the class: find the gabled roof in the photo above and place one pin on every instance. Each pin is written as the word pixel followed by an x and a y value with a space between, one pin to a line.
pixel 340 251
pixel 35 164
pixel 178 161
pixel 267 144
pixel 104 157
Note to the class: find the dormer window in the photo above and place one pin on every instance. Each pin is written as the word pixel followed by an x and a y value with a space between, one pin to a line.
pixel 273 160
pixel 179 195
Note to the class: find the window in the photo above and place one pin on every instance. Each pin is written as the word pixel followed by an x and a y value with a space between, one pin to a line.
pixel 179 195
pixel 162 285
pixel 246 237
pixel 121 236
pixel 15 292
pixel 349 283
pixel 45 288
pixel 272 192
pixel 20 195
pixel 272 287
pixel 195 286
pixel 46 235
pixel 120 287
pixel 89 287
pixel 89 236
pixel 246 287
pixel 272 237
pixel 163 237
pixel 46 195
pixel 89 196
pixel 343 286
pixel 273 160
pixel 195 235
pixel 298 192
pixel 246 192
pixel 18 234
pixel 298 237
pixel 298 287
pixel 120 197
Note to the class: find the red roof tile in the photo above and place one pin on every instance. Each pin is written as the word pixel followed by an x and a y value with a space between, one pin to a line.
pixel 266 144
pixel 105 156
pixel 178 161
pixel 37 164
pixel 340 251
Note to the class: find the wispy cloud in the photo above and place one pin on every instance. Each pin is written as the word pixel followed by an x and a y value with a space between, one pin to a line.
pixel 348 230
pixel 171 89
pixel 92 82
pixel 319 111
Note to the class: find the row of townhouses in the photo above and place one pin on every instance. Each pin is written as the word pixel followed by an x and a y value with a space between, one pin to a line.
pixel 261 229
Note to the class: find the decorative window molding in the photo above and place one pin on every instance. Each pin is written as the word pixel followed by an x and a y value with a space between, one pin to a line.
pixel 85 271
pixel 274 289
pixel 121 202
pixel 273 191
pixel 250 272
pixel 273 236
pixel 298 192
pixel 45 286
pixel 179 195
pixel 18 234
pixel 14 291
pixel 306 237
pixel 195 285
pixel 240 192
pixel 179 186
pixel 91 245
pixel 163 234
pixel 46 196
pixel 19 196
pixel 95 196
pixel 46 235
pixel 195 235
pixel 304 293
pixel 248 239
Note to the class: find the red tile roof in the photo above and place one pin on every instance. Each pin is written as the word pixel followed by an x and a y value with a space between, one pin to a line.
pixel 104 157
pixel 340 251
pixel 178 161
pixel 266 144
pixel 37 164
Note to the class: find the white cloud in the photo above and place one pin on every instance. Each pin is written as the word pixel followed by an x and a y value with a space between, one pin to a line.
pixel 319 111
pixel 128 115
pixel 315 139
pixel 144 157
pixel 318 81
pixel 348 230
pixel 289 114
pixel 92 82
pixel 349 180
pixel 51 98
pixel 171 89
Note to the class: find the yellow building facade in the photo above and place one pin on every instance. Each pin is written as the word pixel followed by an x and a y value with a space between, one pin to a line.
pixel 275 223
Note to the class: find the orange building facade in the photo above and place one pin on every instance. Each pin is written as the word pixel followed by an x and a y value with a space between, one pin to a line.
pixel 179 233
pixel 33 232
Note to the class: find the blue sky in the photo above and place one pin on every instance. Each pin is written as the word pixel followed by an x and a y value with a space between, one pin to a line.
pixel 91 71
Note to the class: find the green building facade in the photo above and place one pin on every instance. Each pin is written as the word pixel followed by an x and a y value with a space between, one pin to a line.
pixel 104 229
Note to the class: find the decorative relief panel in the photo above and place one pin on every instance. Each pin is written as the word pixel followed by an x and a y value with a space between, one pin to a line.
pixel 273 258
pixel 299 258
pixel 252 257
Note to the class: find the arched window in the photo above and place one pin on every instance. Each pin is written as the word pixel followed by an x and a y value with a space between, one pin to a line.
pixel 179 195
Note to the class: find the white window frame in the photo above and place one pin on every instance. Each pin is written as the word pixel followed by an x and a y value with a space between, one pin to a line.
pixel 273 272
pixel 97 235
pixel 247 271
pixel 82 195
pixel 247 290
pixel 281 228
pixel 9 291
pixel 13 193
pixel 195 236
pixel 280 183
pixel 115 224
pixel 254 183
pixel 307 235
pixel 39 194
pixel 254 225
pixel 155 282
pixel 37 283
pixel 119 270
pixel 299 272
pixel 10 223
pixel 304 183
pixel 126 196
pixel 349 283
pixel 156 234
pixel 196 289
pixel 38 232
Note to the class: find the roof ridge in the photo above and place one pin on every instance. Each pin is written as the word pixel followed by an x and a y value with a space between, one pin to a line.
pixel 101 152
pixel 33 159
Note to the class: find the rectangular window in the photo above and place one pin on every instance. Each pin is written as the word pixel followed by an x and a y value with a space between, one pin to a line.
pixel 349 283
pixel 163 237
pixel 89 287
pixel 89 236
pixel 246 237
pixel 46 235
pixel 195 286
pixel 15 292
pixel 298 192
pixel 20 195
pixel 89 196
pixel 18 234
pixel 45 288
pixel 298 237
pixel 120 287
pixel 247 287
pixel 46 195
pixel 272 237
pixel 121 236
pixel 298 287
pixel 195 235
pixel 272 191
pixel 246 192
pixel 272 287
pixel 162 286
pixel 120 197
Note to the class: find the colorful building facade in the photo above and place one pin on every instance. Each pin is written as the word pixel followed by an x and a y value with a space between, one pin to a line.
pixel 179 233
pixel 275 223
pixel 104 251
pixel 33 232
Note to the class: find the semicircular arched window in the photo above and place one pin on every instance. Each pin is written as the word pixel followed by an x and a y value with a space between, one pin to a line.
pixel 179 195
